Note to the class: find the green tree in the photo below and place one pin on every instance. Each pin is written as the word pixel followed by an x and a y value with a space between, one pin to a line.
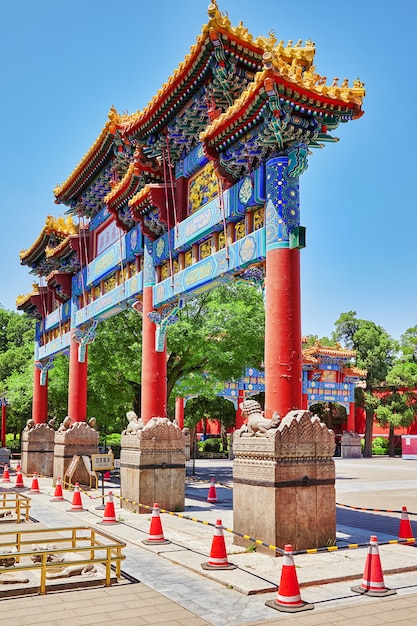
pixel 396 409
pixel 218 334
pixel 375 352
pixel 203 408
pixel 114 370
pixel 17 334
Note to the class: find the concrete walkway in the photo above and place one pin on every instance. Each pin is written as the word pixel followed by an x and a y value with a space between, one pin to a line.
pixel 167 585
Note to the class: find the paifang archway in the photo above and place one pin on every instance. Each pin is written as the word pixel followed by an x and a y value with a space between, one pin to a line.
pixel 200 186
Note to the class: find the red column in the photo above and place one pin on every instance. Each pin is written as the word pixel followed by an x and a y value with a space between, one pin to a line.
pixel 351 418
pixel 40 398
pixel 154 366
pixel 77 389
pixel 283 359
pixel 239 418
pixel 179 412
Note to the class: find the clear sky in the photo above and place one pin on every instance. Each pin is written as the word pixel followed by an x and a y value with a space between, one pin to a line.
pixel 64 63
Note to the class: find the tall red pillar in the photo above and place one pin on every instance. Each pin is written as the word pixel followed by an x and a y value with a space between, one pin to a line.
pixel 179 412
pixel 77 388
pixel 283 356
pixel 351 426
pixel 154 364
pixel 239 418
pixel 40 398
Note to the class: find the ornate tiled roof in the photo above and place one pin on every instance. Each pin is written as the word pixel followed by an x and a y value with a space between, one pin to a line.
pixel 56 230
pixel 294 64
pixel 333 351
pixel 93 161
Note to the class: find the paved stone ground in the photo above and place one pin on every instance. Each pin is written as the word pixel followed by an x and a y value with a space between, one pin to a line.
pixel 170 588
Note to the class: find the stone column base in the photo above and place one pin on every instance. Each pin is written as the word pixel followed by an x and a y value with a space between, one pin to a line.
pixel 351 445
pixel 38 450
pixel 283 485
pixel 152 467
pixel 79 439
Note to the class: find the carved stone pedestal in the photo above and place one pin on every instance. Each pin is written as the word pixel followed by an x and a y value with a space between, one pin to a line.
pixel 351 445
pixel 79 439
pixel 283 484
pixel 38 450
pixel 152 467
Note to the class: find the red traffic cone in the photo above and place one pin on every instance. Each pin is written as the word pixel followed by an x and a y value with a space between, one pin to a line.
pixel 156 534
pixel 6 475
pixel 405 531
pixel 212 494
pixel 289 597
pixel 19 479
pixel 107 475
pixel 35 484
pixel 218 555
pixel 58 495
pixel 77 504
pixel 109 516
pixel 373 579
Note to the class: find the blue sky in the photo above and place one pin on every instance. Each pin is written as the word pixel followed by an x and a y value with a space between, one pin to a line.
pixel 64 63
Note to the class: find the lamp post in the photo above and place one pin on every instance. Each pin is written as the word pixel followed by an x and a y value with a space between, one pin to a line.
pixel 3 403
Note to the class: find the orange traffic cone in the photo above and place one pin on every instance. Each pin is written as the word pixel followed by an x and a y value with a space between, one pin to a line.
pixel 212 494
pixel 19 479
pixel 156 534
pixel 77 504
pixel 373 579
pixel 6 475
pixel 405 531
pixel 35 484
pixel 218 555
pixel 289 598
pixel 109 516
pixel 58 495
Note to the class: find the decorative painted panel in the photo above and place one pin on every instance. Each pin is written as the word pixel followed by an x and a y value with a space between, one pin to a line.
pixel 54 347
pixel 106 263
pixel 194 161
pixel 217 267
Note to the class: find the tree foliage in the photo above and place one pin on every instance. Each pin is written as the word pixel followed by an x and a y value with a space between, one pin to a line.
pixel 218 334
pixel 375 352
pixel 114 370
pixel 396 409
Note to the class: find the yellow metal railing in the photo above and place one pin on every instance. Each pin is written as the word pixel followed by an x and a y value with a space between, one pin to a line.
pixel 16 503
pixel 92 546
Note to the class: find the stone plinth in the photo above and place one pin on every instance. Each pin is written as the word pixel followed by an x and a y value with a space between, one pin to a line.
pixel 38 450
pixel 351 445
pixel 5 455
pixel 79 439
pixel 152 466
pixel 284 484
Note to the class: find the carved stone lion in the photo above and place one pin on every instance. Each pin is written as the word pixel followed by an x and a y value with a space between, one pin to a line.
pixel 135 423
pixel 257 425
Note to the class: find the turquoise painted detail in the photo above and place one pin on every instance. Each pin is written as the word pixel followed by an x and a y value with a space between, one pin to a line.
pixel 84 336
pixel 201 223
pixel 149 275
pixel 44 368
pixel 213 270
pixel 54 347
pixel 105 264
